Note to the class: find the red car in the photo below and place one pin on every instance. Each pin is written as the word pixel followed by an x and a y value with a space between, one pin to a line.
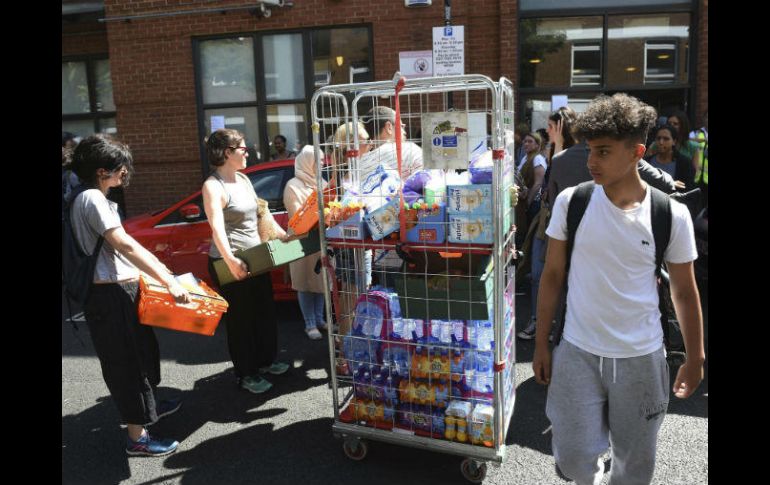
pixel 180 235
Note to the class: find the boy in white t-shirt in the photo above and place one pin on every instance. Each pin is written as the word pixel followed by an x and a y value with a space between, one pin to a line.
pixel 608 378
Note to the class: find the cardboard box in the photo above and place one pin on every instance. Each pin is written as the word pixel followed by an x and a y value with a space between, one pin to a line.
pixel 470 199
pixel 474 229
pixel 426 291
pixel 383 221
pixel 270 255
pixel 427 225
pixel 351 228
pixel 157 308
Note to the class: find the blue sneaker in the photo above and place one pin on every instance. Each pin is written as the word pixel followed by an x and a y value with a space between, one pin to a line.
pixel 168 407
pixel 147 446
pixel 276 368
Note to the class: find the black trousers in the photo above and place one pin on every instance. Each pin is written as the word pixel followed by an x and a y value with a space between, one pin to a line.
pixel 127 350
pixel 251 322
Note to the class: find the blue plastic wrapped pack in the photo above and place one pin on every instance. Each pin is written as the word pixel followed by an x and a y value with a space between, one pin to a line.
pixel 481 165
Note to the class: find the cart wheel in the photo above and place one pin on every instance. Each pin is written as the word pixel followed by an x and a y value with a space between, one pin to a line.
pixel 355 449
pixel 473 471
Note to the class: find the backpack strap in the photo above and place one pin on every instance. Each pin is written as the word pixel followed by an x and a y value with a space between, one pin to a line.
pixel 575 211
pixel 660 213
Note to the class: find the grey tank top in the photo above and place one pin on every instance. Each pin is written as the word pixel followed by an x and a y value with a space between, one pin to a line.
pixel 240 215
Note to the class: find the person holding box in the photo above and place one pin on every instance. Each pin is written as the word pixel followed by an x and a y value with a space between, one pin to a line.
pixel 127 351
pixel 235 217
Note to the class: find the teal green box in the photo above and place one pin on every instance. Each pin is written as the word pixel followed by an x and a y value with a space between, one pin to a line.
pixel 270 255
pixel 440 289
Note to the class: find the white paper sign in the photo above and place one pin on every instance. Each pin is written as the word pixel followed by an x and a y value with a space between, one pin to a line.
pixel 557 101
pixel 449 138
pixel 449 50
pixel 217 123
pixel 415 64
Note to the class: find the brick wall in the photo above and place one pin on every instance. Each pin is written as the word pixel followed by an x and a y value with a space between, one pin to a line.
pixel 153 76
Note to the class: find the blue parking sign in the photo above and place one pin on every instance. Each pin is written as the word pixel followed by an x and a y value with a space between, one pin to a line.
pixel 448 31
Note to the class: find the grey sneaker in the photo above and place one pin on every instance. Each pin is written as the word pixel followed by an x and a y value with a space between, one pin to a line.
pixel 313 333
pixel 529 332
pixel 255 385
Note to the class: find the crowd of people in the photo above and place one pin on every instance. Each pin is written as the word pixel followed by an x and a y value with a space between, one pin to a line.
pixel 609 351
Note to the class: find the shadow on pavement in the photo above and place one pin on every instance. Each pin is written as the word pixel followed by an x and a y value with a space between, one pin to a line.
pixel 306 452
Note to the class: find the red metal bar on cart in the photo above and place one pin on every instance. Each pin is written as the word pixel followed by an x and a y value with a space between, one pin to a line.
pixel 391 243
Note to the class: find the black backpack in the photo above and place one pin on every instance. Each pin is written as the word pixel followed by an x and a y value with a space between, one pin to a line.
pixel 77 266
pixel 661 231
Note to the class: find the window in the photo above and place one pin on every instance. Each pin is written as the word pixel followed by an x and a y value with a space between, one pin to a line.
pixel 553 49
pixel 340 55
pixel 87 105
pixel 261 84
pixel 659 62
pixel 647 49
pixel 586 65
pixel 229 89
pixel 269 185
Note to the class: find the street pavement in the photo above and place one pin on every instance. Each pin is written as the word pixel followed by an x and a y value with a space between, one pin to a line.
pixel 284 436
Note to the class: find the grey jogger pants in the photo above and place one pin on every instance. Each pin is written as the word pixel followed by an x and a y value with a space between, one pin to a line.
pixel 596 402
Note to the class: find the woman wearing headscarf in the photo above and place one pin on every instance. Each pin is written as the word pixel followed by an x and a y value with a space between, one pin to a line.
pixel 304 280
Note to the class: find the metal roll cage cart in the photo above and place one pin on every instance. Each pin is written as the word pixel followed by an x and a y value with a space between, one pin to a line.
pixel 420 371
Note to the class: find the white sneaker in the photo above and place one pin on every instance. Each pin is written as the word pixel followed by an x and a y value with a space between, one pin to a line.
pixel 322 326
pixel 314 334
pixel 529 332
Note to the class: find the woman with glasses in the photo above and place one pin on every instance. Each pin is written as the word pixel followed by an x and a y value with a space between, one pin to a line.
pixel 127 351
pixel 234 212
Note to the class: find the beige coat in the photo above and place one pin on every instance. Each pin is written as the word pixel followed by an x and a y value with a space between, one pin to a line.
pixel 297 190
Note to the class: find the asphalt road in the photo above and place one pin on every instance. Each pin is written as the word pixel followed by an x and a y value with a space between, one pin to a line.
pixel 284 436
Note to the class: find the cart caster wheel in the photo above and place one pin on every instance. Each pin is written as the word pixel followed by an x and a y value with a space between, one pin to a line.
pixel 473 471
pixel 355 449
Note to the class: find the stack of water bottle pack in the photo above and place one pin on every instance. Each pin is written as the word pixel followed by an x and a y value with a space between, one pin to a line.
pixel 432 378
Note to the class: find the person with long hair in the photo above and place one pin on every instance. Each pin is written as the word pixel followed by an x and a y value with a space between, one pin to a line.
pixel 127 351
pixel 236 216
pixel 669 159
pixel 531 172
pixel 686 147
pixel 560 133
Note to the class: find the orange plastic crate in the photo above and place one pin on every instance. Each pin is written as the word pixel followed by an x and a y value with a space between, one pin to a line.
pixel 158 309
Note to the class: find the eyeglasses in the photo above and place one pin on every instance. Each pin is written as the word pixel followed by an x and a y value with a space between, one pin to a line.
pixel 239 148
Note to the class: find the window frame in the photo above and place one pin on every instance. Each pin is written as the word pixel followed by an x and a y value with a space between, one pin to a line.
pixel 586 47
pixel 661 44
pixel 262 103
pixel 93 115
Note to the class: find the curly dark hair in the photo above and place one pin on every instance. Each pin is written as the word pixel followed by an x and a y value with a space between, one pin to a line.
pixel 620 117
pixel 101 151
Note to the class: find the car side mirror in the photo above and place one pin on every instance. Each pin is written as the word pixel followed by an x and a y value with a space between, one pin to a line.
pixel 190 212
